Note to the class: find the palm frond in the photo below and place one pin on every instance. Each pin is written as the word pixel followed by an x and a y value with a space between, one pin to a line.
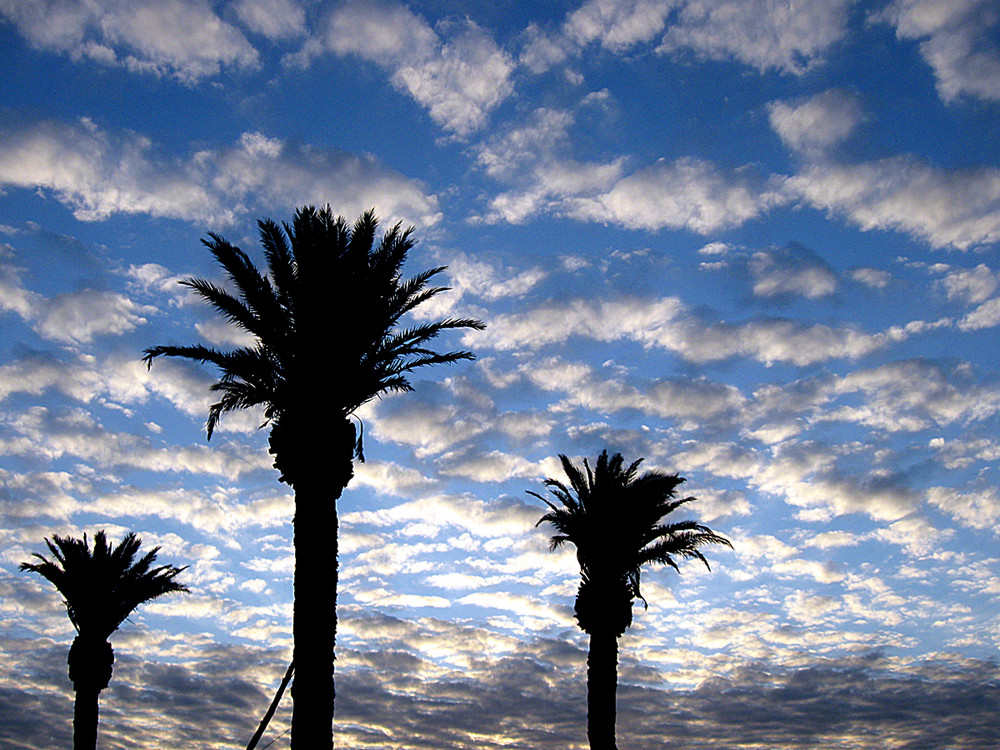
pixel 330 291
pixel 102 586
pixel 615 518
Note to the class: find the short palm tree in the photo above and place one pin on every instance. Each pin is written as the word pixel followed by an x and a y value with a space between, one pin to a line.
pixel 326 322
pixel 615 518
pixel 101 587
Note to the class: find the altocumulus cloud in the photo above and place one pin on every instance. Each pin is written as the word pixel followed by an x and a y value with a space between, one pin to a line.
pixel 98 173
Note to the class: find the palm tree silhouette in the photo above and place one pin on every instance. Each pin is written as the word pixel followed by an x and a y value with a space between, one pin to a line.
pixel 326 323
pixel 614 517
pixel 101 588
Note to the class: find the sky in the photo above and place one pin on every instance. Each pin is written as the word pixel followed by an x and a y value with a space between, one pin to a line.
pixel 750 241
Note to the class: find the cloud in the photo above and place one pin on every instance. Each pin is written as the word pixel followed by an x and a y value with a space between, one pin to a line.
pixel 970 285
pixel 667 324
pixel 617 26
pixel 687 193
pixel 481 278
pixel 812 127
pixel 791 271
pixel 459 80
pixel 987 315
pixel 957 39
pixel 791 38
pixel 977 510
pixel 71 318
pixel 691 400
pixel 98 173
pixel 787 37
pixel 183 39
pixel 946 208
pixel 872 277
pixel 533 157
pixel 274 19
pixel 395 691
pixel 483 520
pixel 911 395
pixel 41 433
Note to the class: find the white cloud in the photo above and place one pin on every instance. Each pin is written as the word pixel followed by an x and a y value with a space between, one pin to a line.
pixel 987 315
pixel 481 278
pixel 459 80
pixel 275 19
pixel 917 536
pixel 184 39
pixel 532 157
pixel 74 434
pixel 694 400
pixel 791 270
pixel 491 467
pixel 970 285
pixel 687 194
pixel 913 395
pixel 788 37
pixel 72 317
pixel 98 174
pixel 813 126
pixel 77 317
pixel 390 478
pixel 828 539
pixel 428 428
pixel 810 609
pixel 13 295
pixel 959 208
pixel 617 25
pixel 958 39
pixel 978 510
pixel 667 324
pixel 872 277
pixel 436 513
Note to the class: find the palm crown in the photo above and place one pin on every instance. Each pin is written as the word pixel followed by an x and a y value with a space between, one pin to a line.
pixel 103 586
pixel 332 295
pixel 615 518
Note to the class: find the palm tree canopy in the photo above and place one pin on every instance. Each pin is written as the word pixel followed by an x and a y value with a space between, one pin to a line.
pixel 331 295
pixel 616 519
pixel 103 586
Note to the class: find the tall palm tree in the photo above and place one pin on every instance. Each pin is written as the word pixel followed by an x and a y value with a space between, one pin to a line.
pixel 101 588
pixel 326 320
pixel 615 518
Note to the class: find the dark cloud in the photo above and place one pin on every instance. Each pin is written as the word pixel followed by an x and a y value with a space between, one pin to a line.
pixel 532 697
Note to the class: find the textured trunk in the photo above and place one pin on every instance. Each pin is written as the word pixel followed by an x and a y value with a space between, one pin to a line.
pixel 90 665
pixel 602 689
pixel 85 718
pixel 318 466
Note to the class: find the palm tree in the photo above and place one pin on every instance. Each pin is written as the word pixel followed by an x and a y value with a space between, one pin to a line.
pixel 614 516
pixel 101 588
pixel 328 340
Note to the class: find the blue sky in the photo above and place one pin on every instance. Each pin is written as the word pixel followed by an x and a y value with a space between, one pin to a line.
pixel 752 242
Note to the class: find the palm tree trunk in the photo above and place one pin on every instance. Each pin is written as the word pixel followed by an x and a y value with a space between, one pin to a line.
pixel 602 689
pixel 91 661
pixel 85 718
pixel 318 470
